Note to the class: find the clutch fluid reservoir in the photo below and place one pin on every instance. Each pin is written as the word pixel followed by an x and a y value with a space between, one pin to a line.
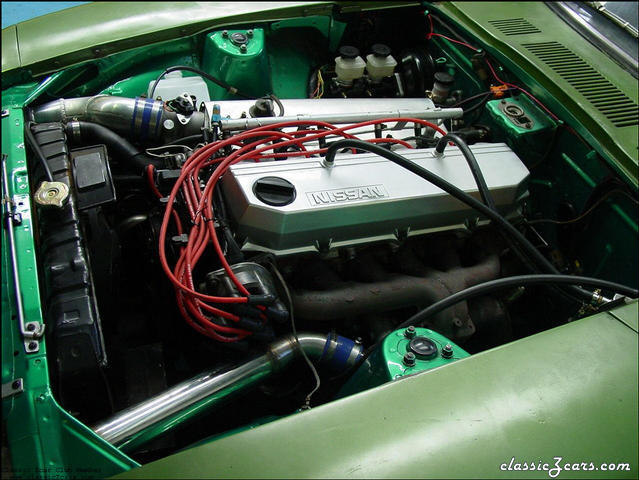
pixel 349 65
pixel 380 63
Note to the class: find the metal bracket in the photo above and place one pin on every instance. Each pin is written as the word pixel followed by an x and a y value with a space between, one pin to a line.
pixel 12 388
pixel 30 331
pixel 182 119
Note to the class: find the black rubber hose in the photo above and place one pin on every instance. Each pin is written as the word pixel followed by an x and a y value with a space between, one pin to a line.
pixel 117 145
pixel 213 79
pixel 190 138
pixel 472 164
pixel 492 285
pixel 462 196
pixel 33 143
pixel 486 196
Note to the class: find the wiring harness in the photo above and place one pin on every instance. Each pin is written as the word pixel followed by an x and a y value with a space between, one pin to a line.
pixel 233 318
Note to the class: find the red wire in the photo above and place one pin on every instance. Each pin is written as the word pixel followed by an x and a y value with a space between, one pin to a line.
pixel 452 40
pixel 193 304
pixel 492 70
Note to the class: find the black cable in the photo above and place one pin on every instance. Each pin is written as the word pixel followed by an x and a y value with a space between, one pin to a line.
pixel 451 189
pixel 447 27
pixel 278 102
pixel 517 281
pixel 33 143
pixel 478 105
pixel 476 108
pixel 472 164
pixel 487 198
pixel 587 212
pixel 190 138
pixel 289 299
pixel 118 146
pixel 470 99
pixel 186 68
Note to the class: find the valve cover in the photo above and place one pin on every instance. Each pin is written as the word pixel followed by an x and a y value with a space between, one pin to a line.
pixel 300 203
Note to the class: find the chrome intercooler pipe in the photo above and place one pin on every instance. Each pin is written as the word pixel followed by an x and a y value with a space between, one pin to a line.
pixel 138 118
pixel 141 423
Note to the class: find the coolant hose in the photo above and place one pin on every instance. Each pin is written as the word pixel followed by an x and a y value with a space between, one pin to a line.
pixel 143 422
pixel 119 147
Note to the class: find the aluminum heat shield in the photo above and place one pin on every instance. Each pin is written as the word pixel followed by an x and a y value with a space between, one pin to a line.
pixel 364 196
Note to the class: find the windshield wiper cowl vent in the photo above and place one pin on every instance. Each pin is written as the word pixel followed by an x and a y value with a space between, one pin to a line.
pixel 592 85
pixel 514 26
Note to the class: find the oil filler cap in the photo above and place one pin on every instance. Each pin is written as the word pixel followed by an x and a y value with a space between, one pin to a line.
pixel 274 191
pixel 423 348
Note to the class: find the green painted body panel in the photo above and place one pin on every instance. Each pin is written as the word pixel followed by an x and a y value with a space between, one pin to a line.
pixel 573 168
pixel 98 29
pixel 43 438
pixel 530 141
pixel 618 144
pixel 569 392
pixel 289 61
pixel 248 71
pixel 386 363
pixel 10 51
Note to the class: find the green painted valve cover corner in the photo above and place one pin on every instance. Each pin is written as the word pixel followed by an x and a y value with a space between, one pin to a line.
pixel 243 65
pixel 387 362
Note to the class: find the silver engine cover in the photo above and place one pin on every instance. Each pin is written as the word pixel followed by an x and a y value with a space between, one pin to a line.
pixel 364 197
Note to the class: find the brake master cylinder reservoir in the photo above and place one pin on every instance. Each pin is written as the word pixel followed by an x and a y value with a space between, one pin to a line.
pixel 441 86
pixel 380 63
pixel 403 352
pixel 349 65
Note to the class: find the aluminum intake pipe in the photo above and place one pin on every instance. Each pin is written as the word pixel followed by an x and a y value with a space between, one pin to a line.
pixel 143 422
pixel 139 118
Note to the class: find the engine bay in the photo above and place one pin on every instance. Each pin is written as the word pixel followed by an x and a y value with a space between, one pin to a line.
pixel 256 220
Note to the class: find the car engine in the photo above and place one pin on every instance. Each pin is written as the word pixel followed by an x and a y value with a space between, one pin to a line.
pixel 204 240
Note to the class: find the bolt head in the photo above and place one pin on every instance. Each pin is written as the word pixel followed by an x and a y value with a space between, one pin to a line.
pixel 409 359
pixel 31 327
pixel 249 33
pixel 243 48
pixel 16 384
pixel 410 332
pixel 447 351
pixel 225 33
pixel 32 345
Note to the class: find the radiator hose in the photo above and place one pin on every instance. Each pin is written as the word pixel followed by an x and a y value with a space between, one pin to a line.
pixel 119 147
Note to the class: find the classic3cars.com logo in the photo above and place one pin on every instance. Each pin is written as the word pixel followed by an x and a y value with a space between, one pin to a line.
pixel 559 465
